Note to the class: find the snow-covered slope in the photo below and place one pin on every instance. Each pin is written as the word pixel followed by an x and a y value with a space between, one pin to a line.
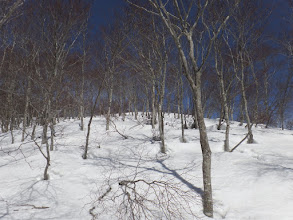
pixel 253 182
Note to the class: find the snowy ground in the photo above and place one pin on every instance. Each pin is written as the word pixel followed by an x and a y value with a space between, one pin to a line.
pixel 253 182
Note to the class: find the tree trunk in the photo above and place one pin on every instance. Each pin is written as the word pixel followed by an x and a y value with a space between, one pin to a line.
pixel 48 158
pixel 179 101
pixel 255 109
pixel 161 129
pixel 84 156
pixel 10 109
pixel 110 96
pixel 249 126
pixel 241 111
pixel 34 131
pixel 153 103
pixel 135 106
pixel 221 118
pixel 206 151
pixel 232 110
pixel 224 103
pixel 160 105
pixel 195 122
pixel 181 109
pixel 25 116
pixel 81 107
pixel 121 109
pixel 52 136
pixel 44 134
pixel 147 106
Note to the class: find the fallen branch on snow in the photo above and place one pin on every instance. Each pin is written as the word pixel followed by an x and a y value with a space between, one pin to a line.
pixel 35 207
pixel 239 143
pixel 115 127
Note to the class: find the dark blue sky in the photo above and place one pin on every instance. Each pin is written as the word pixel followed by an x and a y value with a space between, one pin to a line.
pixel 102 11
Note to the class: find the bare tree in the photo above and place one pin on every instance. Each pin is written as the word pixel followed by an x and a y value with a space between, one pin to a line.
pixel 285 86
pixel 219 66
pixel 115 44
pixel 181 22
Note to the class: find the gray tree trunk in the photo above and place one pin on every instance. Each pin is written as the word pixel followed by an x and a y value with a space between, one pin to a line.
pixel 195 122
pixel 206 152
pixel 110 96
pixel 153 102
pixel 243 89
pixel 52 136
pixel 160 113
pixel 135 105
pixel 27 100
pixel 81 107
pixel 181 109
pixel 10 109
pixel 84 156
pixel 48 159
pixel 224 101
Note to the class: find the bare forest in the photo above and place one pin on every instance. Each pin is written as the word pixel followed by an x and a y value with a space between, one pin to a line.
pixel 154 61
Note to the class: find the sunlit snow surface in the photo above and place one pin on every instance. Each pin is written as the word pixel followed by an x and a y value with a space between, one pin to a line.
pixel 253 182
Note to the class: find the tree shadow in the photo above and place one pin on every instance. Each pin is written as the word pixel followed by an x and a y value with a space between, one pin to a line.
pixel 2 215
pixel 179 177
pixel 35 199
pixel 143 167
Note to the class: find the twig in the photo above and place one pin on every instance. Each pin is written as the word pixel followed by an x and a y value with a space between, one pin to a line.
pixel 91 212
pixel 100 198
pixel 36 207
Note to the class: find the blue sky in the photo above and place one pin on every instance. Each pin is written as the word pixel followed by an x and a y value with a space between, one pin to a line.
pixel 102 11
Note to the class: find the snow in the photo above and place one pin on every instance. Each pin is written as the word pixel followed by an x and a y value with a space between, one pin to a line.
pixel 253 182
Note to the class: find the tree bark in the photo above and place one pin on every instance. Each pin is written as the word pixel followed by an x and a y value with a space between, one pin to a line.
pixel 153 102
pixel 27 100
pixel 110 96
pixel 181 109
pixel 160 113
pixel 249 126
pixel 206 152
pixel 225 108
